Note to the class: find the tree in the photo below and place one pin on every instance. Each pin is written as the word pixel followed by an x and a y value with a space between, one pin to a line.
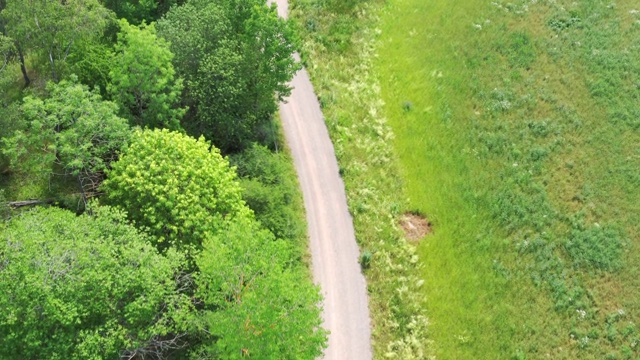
pixel 49 29
pixel 256 303
pixel 91 61
pixel 73 128
pixel 86 287
pixel 137 12
pixel 143 80
pixel 178 187
pixel 236 59
pixel 267 188
pixel 253 295
pixel 6 51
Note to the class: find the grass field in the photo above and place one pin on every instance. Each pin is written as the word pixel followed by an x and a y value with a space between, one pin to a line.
pixel 517 128
pixel 516 131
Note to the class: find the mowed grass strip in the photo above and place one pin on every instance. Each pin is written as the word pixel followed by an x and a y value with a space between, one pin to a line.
pixel 517 130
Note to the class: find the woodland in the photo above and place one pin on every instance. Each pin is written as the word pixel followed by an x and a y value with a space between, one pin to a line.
pixel 148 208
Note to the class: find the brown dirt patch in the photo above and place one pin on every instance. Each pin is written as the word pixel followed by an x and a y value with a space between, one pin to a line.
pixel 415 226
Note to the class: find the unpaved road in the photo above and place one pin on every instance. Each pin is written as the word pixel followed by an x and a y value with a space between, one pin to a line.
pixel 334 253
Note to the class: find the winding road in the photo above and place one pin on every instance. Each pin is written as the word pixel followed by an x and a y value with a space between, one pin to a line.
pixel 334 252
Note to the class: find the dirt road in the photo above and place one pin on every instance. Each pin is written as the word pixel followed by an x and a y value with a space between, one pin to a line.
pixel 334 253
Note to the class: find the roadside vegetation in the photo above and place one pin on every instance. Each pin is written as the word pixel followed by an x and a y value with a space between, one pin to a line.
pixel 148 209
pixel 516 130
pixel 338 47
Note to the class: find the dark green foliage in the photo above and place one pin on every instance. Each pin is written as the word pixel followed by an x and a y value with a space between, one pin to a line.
pixel 5 210
pixel 10 121
pixel 563 22
pixel 268 185
pixel 87 287
pixel 7 50
pixel 256 303
pixel 48 30
pixel 143 80
pixel 139 11
pixel 91 62
pixel 365 259
pixel 181 189
pixel 596 247
pixel 72 128
pixel 235 57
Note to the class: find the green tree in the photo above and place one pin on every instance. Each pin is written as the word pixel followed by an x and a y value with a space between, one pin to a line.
pixel 6 51
pixel 178 187
pixel 236 59
pixel 143 80
pixel 139 11
pixel 49 29
pixel 91 61
pixel 267 188
pixel 73 129
pixel 86 287
pixel 256 303
pixel 253 294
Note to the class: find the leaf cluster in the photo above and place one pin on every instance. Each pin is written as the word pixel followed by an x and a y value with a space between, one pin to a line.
pixel 143 79
pixel 49 29
pixel 256 303
pixel 83 287
pixel 267 188
pixel 73 128
pixel 234 56
pixel 179 188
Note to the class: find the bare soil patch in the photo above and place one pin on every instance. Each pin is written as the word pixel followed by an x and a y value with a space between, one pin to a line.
pixel 415 226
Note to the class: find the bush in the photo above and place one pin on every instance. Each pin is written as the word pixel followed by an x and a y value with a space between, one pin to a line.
pixel 268 186
pixel 595 247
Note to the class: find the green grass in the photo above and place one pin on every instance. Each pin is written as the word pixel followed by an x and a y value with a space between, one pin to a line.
pixel 522 148
pixel 516 131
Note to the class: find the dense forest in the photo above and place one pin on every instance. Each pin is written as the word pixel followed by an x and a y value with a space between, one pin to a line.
pixel 162 219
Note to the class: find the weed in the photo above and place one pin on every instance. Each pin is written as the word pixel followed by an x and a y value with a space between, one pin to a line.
pixel 365 259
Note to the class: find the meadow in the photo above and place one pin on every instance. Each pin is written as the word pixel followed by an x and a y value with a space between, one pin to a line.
pixel 515 130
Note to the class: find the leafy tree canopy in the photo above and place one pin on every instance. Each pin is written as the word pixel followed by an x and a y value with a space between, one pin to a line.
pixel 266 182
pixel 143 80
pixel 85 287
pixel 256 303
pixel 236 58
pixel 73 128
pixel 49 29
pixel 139 11
pixel 181 188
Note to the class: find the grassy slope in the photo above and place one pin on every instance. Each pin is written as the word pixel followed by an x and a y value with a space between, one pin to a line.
pixel 521 145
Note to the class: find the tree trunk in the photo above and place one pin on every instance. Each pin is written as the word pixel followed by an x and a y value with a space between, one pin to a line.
pixel 53 67
pixel 17 204
pixel 23 68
